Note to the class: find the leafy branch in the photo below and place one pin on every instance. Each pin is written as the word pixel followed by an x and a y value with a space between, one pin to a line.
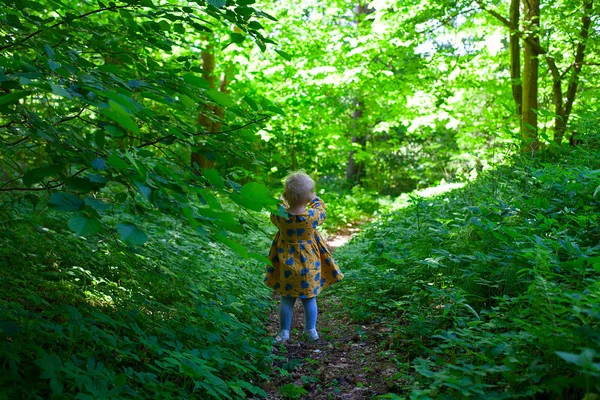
pixel 64 21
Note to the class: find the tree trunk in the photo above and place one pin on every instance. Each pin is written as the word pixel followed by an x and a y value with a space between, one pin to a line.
pixel 530 75
pixel 354 169
pixel 560 126
pixel 206 116
pixel 515 56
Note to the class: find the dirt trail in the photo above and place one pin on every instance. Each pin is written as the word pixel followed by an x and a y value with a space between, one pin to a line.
pixel 345 363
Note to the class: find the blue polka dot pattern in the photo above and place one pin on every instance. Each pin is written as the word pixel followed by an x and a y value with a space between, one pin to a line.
pixel 301 263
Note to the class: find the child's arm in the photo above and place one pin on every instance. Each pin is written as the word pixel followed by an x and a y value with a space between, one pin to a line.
pixel 317 211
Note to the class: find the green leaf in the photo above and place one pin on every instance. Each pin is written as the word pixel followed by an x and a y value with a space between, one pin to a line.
pixel 196 81
pixel 251 103
pixel 214 178
pixel 144 189
pixel 13 97
pixel 255 25
pixel 117 162
pixel 217 3
pixel 49 364
pixel 49 51
pixel 10 328
pixel 569 357
pixel 56 386
pixel 60 91
pixel 237 37
pixel 254 196
pixel 222 98
pixel 120 380
pixel 179 28
pixel 96 204
pixel 132 234
pixel 83 225
pixel 233 245
pixel 121 118
pixel 284 55
pixel 261 258
pixel 100 138
pixel 66 202
pixel 37 175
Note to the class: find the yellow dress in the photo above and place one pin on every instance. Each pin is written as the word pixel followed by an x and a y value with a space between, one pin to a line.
pixel 302 264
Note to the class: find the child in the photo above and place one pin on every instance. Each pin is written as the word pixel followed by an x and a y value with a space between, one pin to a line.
pixel 302 264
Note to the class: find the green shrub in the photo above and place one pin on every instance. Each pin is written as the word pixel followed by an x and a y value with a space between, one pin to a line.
pixel 490 291
pixel 90 318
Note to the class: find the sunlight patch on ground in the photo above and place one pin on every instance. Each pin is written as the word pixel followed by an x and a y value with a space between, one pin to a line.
pixel 407 199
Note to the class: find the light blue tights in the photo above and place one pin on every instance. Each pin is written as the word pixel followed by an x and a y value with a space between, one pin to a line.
pixel 287 307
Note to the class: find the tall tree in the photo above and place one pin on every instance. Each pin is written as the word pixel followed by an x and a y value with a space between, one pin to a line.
pixel 527 104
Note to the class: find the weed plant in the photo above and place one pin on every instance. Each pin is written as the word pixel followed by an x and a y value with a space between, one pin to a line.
pixel 492 290
pixel 92 319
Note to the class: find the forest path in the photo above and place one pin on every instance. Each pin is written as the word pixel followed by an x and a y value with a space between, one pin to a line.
pixel 345 363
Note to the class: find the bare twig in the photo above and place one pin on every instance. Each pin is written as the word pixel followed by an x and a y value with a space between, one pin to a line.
pixel 37 189
pixel 64 119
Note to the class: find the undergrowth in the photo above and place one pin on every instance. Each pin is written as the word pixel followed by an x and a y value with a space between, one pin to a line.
pixel 492 290
pixel 91 318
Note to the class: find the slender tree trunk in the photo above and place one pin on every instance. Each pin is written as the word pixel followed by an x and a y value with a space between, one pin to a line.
pixel 515 56
pixel 574 78
pixel 354 169
pixel 206 115
pixel 530 74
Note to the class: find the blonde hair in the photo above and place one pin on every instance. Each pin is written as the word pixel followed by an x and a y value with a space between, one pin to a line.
pixel 299 187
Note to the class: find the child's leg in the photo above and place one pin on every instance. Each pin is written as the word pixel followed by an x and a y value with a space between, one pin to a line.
pixel 286 308
pixel 310 317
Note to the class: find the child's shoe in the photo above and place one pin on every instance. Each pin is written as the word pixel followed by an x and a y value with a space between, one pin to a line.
pixel 283 336
pixel 312 334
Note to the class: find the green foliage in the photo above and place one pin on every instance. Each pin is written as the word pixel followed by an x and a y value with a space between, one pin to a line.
pixel 291 391
pixel 101 101
pixel 348 207
pixel 489 291
pixel 180 317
